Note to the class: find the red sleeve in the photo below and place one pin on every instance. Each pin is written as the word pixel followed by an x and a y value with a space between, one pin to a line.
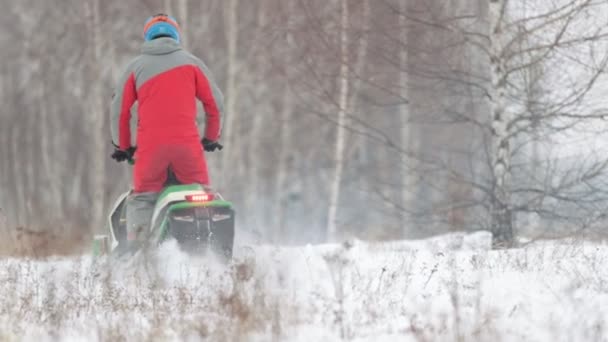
pixel 205 94
pixel 129 96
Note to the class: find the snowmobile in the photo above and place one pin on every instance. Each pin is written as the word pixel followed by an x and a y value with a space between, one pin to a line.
pixel 198 218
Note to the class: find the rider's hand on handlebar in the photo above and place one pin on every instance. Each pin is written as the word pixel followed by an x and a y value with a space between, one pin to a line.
pixel 122 155
pixel 210 145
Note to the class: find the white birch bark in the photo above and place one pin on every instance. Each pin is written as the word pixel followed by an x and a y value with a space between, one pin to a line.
pixel 340 129
pixel 501 213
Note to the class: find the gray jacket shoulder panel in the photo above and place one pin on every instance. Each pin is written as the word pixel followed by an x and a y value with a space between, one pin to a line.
pixel 147 66
pixel 117 97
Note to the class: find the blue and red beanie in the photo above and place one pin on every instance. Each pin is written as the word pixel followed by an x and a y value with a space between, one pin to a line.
pixel 161 25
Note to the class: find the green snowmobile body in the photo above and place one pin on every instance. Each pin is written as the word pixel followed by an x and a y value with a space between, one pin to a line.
pixel 194 215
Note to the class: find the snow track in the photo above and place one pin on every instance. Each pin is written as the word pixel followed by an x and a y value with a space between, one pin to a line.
pixel 442 289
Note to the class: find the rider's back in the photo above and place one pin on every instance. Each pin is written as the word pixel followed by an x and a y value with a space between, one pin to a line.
pixel 165 78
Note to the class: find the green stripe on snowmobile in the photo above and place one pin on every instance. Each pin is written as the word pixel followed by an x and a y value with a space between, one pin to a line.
pixel 163 230
pixel 212 204
pixel 177 188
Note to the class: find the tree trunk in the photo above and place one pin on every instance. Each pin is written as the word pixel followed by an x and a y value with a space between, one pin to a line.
pixel 28 153
pixel 232 33
pixel 361 55
pixel 96 121
pixel 340 129
pixel 408 140
pixel 4 144
pixel 8 197
pixel 17 175
pixel 254 171
pixel 501 212
pixel 285 135
pixel 357 143
pixel 53 206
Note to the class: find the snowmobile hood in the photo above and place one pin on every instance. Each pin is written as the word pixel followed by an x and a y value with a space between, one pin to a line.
pixel 160 46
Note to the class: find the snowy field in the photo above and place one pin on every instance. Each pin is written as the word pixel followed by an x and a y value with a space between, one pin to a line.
pixel 449 288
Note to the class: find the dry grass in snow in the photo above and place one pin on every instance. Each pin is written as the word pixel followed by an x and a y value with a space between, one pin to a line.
pixel 448 288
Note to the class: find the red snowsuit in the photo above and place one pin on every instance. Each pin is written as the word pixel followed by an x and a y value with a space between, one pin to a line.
pixel 165 80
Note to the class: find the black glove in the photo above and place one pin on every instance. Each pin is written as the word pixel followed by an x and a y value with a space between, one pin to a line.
pixel 122 155
pixel 210 145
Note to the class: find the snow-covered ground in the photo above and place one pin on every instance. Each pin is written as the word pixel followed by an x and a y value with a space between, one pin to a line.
pixel 449 288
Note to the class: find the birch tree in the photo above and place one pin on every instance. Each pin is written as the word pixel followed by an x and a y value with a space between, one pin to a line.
pixel 502 220
pixel 508 59
pixel 340 128
pixel 512 52
pixel 550 35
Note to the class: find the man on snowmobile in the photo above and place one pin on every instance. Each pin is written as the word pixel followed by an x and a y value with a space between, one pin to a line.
pixel 165 80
